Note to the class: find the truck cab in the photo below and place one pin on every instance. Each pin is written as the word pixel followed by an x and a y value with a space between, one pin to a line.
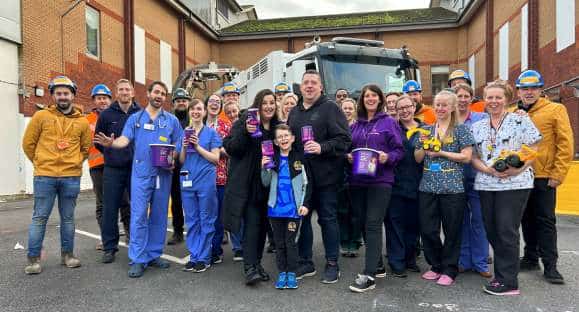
pixel 343 63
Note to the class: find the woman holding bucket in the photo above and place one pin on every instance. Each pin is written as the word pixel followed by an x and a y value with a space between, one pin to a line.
pixel 199 154
pixel 444 148
pixel 377 148
pixel 245 199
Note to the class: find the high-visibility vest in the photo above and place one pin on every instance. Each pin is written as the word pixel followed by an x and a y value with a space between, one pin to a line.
pixel 95 157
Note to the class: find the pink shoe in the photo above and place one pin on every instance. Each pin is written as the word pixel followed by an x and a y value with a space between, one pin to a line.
pixel 445 280
pixel 430 275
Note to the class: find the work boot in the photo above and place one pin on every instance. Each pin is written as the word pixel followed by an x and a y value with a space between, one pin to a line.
pixel 526 264
pixel 176 238
pixel 33 266
pixel 70 260
pixel 252 276
pixel 553 276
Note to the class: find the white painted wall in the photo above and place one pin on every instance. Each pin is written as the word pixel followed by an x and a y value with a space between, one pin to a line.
pixel 565 23
pixel 140 55
pixel 524 37
pixel 504 52
pixel 11 165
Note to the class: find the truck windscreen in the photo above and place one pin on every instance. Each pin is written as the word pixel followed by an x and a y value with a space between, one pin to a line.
pixel 352 72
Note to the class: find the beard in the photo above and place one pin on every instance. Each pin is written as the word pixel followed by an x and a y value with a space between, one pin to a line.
pixel 63 105
pixel 180 113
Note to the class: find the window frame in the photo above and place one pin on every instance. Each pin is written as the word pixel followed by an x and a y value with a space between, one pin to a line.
pixel 98 33
pixel 439 71
pixel 224 5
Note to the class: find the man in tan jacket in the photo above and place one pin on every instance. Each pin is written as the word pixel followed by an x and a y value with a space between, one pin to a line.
pixel 56 141
pixel 551 167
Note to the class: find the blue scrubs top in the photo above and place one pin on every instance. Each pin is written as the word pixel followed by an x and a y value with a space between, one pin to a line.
pixel 201 171
pixel 143 130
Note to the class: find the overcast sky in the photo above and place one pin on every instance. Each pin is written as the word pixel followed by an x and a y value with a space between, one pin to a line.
pixel 287 8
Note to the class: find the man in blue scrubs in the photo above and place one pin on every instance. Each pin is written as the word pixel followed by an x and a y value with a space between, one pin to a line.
pixel 150 186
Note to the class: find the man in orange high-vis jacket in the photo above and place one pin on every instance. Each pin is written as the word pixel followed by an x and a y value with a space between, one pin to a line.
pixel 101 97
pixel 550 168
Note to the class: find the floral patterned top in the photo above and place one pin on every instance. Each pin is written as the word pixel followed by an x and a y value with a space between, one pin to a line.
pixel 223 128
pixel 442 175
pixel 513 131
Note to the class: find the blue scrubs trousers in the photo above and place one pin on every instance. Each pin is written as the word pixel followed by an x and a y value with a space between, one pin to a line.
pixel 200 208
pixel 149 203
pixel 474 249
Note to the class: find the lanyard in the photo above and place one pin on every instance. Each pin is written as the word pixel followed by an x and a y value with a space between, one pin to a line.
pixel 494 132
pixel 59 126
pixel 366 134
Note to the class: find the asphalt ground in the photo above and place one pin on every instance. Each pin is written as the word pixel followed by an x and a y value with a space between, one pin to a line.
pixel 106 287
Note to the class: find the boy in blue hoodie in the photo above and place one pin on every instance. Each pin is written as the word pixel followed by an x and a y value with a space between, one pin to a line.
pixel 288 201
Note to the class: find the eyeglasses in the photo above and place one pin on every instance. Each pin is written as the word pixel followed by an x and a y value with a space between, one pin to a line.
pixel 405 108
pixel 214 101
pixel 282 136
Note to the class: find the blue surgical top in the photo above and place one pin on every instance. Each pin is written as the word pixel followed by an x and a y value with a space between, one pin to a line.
pixel 141 129
pixel 285 205
pixel 201 171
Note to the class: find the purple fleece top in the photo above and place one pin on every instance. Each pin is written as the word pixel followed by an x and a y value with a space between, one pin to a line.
pixel 382 133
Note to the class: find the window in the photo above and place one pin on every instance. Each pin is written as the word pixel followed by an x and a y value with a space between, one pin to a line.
pixel 524 37
pixel 440 75
pixel 472 70
pixel 565 23
pixel 504 52
pixel 223 8
pixel 93 30
pixel 139 55
pixel 166 68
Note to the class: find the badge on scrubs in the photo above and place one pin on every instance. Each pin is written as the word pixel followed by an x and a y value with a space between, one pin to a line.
pixel 62 144
pixel 163 139
pixel 149 126
pixel 292 226
pixel 187 183
pixel 297 165
pixel 435 167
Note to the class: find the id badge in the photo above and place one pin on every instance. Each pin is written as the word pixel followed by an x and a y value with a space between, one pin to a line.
pixel 149 126
pixel 435 167
pixel 187 183
pixel 157 183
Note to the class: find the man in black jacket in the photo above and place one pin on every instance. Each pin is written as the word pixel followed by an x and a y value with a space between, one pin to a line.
pixel 181 101
pixel 117 171
pixel 324 155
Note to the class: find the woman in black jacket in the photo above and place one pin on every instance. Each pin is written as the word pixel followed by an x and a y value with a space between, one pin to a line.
pixel 245 198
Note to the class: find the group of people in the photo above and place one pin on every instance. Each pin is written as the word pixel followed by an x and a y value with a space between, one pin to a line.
pixel 267 168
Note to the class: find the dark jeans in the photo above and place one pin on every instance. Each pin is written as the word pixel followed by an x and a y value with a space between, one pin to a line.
pixel 447 209
pixel 176 203
pixel 369 205
pixel 116 185
pixel 539 225
pixel 285 232
pixel 254 232
pixel 502 213
pixel 350 235
pixel 96 175
pixel 401 224
pixel 325 203
pixel 46 189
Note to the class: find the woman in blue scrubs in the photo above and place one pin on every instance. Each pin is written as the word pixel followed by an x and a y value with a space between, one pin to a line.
pixel 198 189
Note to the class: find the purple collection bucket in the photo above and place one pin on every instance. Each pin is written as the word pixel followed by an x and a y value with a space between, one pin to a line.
pixel 307 135
pixel 365 161
pixel 162 155
pixel 267 150
pixel 188 133
pixel 253 119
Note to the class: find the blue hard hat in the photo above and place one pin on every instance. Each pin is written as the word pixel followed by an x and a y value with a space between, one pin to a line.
pixel 459 74
pixel 61 81
pixel 411 85
pixel 282 87
pixel 529 79
pixel 229 87
pixel 101 89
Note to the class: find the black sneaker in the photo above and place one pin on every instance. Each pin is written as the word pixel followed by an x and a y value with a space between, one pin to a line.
pixel 216 259
pixel 529 265
pixel 381 271
pixel 498 289
pixel 251 275
pixel 189 266
pixel 238 255
pixel 554 277
pixel 305 270
pixel 108 257
pixel 331 273
pixel 362 283
pixel 413 268
pixel 200 267
pixel 271 248
pixel 262 273
pixel 175 239
pixel 399 274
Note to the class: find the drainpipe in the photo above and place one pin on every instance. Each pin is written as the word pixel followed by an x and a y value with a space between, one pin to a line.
pixel 129 40
pixel 489 41
pixel 62 32
pixel 182 45
pixel 533 27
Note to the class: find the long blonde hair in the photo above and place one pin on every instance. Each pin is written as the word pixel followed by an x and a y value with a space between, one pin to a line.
pixel 453 101
pixel 280 113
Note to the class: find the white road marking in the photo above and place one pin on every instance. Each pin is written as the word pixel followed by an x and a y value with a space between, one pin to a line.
pixel 173 259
